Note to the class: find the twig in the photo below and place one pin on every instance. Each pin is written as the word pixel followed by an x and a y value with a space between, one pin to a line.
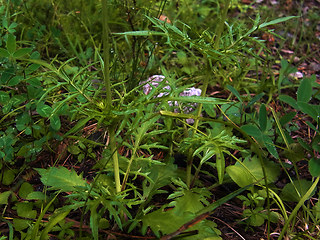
pixel 186 226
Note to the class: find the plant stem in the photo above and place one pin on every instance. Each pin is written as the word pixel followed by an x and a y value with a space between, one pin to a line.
pixel 107 83
pixel 219 31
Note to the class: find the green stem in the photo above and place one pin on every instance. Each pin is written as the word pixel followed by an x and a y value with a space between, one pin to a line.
pixel 107 83
pixel 205 85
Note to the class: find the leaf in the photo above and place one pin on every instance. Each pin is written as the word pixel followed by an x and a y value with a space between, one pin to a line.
pixel 308 109
pixel 21 52
pixel 8 176
pixel 270 145
pixel 287 118
pixel 276 21
pixel 4 196
pixel 14 81
pixel 80 124
pixel 252 130
pixel 250 171
pixel 94 220
pixel 11 44
pixel 289 100
pixel 314 167
pixel 61 178
pixel 36 196
pixel 255 99
pixel 289 192
pixel 4 97
pixel 20 224
pixel 75 150
pixel 304 92
pixel 43 109
pixel 24 209
pixel 140 33
pixel 54 220
pixel 220 164
pixel 4 53
pixel 196 99
pixel 235 92
pixel 55 122
pixel 263 118
pixel 25 189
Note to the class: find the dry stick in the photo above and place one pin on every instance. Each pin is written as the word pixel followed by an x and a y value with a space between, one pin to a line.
pixel 186 226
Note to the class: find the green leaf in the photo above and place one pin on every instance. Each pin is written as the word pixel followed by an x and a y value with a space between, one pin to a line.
pixel 304 91
pixel 289 100
pixel 80 124
pixel 61 178
pixel 36 196
pixel 293 191
pixel 252 130
pixel 14 81
pixel 11 44
pixel 21 52
pixel 276 21
pixel 44 110
pixel 4 196
pixel 140 33
pixel 308 109
pixel 75 150
pixel 25 189
pixel 263 118
pixel 314 167
pixel 54 220
pixel 55 122
pixel 21 224
pixel 4 53
pixel 196 99
pixel 270 145
pixel 4 97
pixel 8 176
pixel 255 99
pixel 24 209
pixel 250 171
pixel 287 118
pixel 235 92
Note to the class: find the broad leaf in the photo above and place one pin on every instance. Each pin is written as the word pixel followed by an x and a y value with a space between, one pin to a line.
pixel 250 171
pixel 21 52
pixel 44 110
pixel 314 167
pixel 55 122
pixel 293 192
pixel 4 53
pixel 304 91
pixel 61 178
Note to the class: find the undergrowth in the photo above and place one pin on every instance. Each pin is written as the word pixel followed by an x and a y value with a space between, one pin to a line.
pixel 87 154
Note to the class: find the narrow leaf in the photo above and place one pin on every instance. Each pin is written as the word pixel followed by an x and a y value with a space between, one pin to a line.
pixel 276 21
pixel 263 118
pixel 235 92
